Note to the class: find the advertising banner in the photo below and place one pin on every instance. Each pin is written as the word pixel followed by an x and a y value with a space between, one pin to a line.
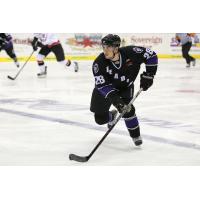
pixel 86 46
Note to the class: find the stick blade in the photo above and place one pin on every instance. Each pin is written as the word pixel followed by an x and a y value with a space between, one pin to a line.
pixel 78 158
pixel 11 78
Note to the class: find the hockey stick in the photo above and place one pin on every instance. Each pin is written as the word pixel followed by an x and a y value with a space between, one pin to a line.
pixel 86 158
pixel 13 78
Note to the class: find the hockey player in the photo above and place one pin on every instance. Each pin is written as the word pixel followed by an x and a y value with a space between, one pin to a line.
pixel 6 44
pixel 49 43
pixel 185 40
pixel 115 71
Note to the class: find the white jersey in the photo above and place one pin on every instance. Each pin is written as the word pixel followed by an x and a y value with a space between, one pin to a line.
pixel 46 38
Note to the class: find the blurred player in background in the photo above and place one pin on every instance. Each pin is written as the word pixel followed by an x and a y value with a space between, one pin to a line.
pixel 115 71
pixel 48 42
pixel 185 40
pixel 6 44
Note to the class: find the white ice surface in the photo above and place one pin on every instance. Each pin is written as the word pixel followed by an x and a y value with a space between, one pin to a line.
pixel 42 121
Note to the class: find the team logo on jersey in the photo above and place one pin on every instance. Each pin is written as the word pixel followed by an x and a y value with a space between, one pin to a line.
pixel 137 49
pixel 95 68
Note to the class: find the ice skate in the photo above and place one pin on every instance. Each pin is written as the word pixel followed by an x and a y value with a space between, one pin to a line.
pixel 194 63
pixel 76 66
pixel 17 64
pixel 137 140
pixel 188 65
pixel 68 63
pixel 42 74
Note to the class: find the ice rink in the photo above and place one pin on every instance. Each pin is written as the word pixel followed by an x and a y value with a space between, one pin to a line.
pixel 44 120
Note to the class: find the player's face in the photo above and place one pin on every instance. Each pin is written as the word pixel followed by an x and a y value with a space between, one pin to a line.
pixel 109 51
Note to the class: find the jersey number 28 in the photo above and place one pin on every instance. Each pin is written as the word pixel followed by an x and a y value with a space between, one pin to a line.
pixel 99 80
pixel 148 53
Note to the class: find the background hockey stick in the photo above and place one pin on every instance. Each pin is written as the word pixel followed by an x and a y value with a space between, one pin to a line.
pixel 86 158
pixel 13 78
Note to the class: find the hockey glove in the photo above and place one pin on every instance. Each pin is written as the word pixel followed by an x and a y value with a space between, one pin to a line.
pixel 119 103
pixel 34 44
pixel 146 80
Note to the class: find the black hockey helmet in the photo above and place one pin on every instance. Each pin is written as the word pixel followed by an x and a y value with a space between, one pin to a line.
pixel 111 40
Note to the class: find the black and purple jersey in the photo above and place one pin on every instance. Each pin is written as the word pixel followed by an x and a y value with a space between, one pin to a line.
pixel 114 76
pixel 5 40
pixel 5 37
